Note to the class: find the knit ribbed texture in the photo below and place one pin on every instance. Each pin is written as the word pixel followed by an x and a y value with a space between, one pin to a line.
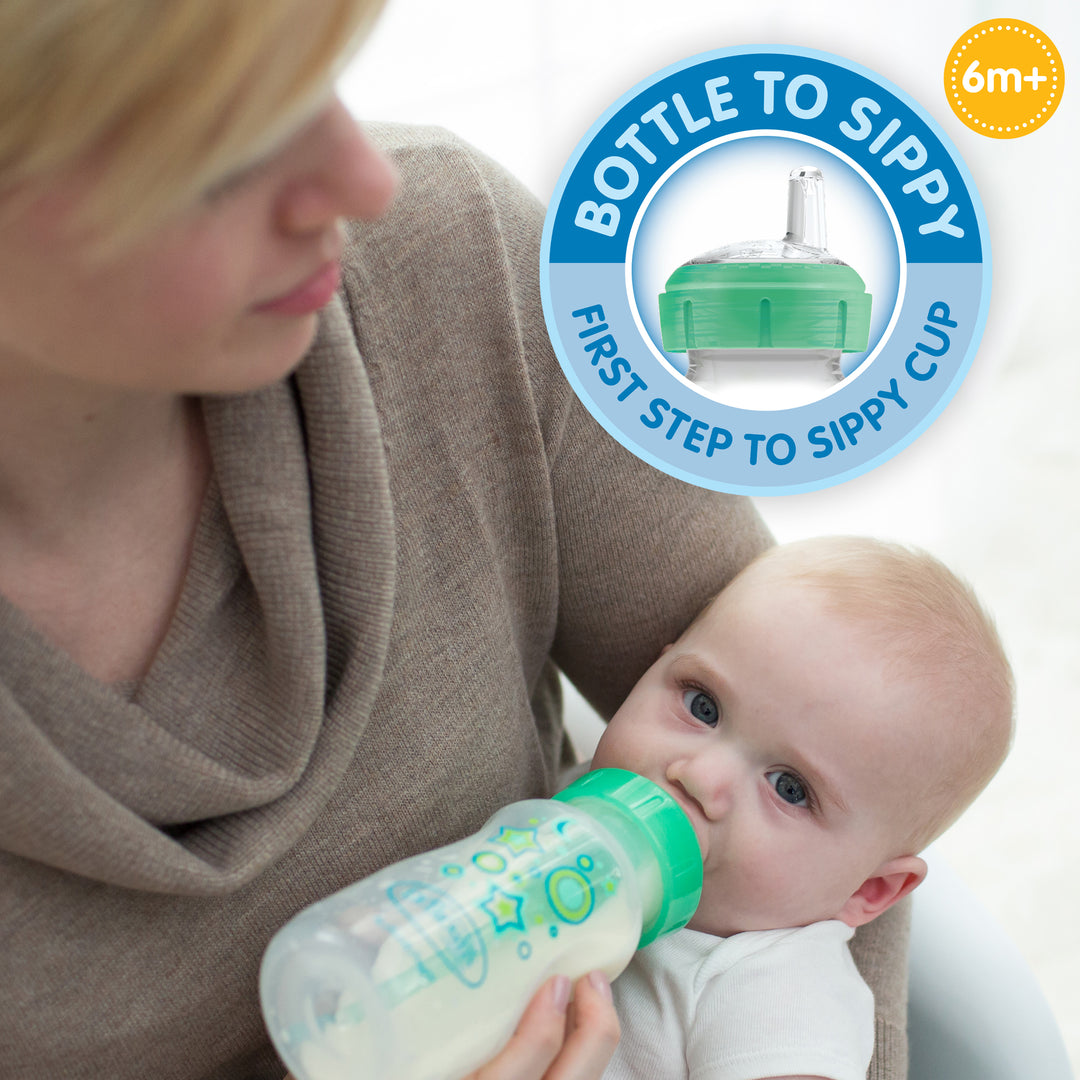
pixel 880 951
pixel 396 542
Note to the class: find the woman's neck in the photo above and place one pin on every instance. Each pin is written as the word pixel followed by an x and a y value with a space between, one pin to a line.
pixel 74 455
pixel 100 495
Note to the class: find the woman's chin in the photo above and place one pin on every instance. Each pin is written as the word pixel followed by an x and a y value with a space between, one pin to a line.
pixel 260 367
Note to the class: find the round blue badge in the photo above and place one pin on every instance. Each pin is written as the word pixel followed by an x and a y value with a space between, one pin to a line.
pixel 679 165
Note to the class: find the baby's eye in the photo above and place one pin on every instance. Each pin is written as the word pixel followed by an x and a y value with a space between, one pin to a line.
pixel 789 787
pixel 701 707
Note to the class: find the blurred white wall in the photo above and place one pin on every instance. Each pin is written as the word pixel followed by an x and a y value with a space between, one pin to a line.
pixel 992 486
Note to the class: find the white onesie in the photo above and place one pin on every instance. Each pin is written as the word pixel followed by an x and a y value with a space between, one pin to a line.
pixel 759 1004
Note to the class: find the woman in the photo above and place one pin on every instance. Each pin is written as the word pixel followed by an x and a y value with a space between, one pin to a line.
pixel 284 574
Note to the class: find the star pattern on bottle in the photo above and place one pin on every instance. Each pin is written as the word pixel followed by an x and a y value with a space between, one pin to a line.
pixel 517 840
pixel 505 910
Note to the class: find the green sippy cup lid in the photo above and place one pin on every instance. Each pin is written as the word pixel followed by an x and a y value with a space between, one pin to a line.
pixel 765 294
pixel 662 823
pixel 765 305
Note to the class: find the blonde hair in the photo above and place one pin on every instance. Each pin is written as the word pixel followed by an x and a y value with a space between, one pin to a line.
pixel 933 628
pixel 167 97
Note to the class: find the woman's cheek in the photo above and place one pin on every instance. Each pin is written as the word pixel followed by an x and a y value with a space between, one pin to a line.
pixel 204 272
pixel 202 294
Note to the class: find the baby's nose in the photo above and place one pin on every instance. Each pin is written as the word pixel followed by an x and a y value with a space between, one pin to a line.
pixel 710 780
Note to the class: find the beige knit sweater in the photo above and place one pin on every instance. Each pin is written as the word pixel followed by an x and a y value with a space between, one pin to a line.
pixel 397 544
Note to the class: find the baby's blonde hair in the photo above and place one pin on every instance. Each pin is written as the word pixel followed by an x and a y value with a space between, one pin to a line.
pixel 165 97
pixel 932 627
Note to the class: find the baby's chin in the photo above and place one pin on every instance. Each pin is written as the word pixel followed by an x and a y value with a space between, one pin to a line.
pixel 721 923
pixel 718 927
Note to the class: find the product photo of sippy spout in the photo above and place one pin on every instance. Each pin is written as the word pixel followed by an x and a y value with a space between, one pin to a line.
pixel 764 322
pixel 422 970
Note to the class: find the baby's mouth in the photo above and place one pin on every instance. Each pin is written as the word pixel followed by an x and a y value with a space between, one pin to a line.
pixel 695 812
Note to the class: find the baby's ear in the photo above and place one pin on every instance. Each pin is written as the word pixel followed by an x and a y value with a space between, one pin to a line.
pixel 666 647
pixel 893 880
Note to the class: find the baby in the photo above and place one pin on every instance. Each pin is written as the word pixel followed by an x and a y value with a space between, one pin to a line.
pixel 823 719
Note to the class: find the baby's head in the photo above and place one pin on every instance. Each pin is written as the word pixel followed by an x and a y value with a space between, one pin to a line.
pixel 823 719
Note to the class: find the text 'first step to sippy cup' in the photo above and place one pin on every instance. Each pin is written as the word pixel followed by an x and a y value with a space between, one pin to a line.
pixel 422 971
pixel 764 322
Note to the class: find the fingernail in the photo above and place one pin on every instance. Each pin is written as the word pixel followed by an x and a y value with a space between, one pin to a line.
pixel 560 992
pixel 600 983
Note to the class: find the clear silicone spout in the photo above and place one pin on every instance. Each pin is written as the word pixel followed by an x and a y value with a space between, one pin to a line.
pixel 805 238
pixel 806 208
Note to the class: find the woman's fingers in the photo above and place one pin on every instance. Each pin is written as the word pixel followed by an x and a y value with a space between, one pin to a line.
pixel 556 1040
pixel 592 1032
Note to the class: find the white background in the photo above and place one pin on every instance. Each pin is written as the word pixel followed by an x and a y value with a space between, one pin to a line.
pixel 992 487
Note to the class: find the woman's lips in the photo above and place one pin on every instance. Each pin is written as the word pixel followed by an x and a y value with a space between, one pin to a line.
pixel 309 295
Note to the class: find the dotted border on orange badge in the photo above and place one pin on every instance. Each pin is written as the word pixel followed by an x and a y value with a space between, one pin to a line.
pixel 954 88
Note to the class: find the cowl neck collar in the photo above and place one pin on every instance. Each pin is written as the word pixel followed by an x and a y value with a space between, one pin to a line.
pixel 217 761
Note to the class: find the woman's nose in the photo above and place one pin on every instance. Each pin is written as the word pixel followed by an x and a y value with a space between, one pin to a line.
pixel 343 175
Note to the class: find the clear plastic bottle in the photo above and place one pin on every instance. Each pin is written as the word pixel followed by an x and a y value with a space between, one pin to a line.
pixel 764 322
pixel 422 971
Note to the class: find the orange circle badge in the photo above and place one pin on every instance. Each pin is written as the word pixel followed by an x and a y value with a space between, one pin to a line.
pixel 1004 78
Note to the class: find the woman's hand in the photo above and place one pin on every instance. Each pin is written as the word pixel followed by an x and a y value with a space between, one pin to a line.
pixel 558 1039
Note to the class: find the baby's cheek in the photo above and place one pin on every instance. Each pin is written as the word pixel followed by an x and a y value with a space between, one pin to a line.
pixel 621 748
pixel 762 873
pixel 606 752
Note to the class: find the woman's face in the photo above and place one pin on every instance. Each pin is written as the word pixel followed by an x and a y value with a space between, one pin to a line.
pixel 221 299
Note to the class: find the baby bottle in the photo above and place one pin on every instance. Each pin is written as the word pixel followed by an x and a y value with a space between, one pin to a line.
pixel 422 970
pixel 764 322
